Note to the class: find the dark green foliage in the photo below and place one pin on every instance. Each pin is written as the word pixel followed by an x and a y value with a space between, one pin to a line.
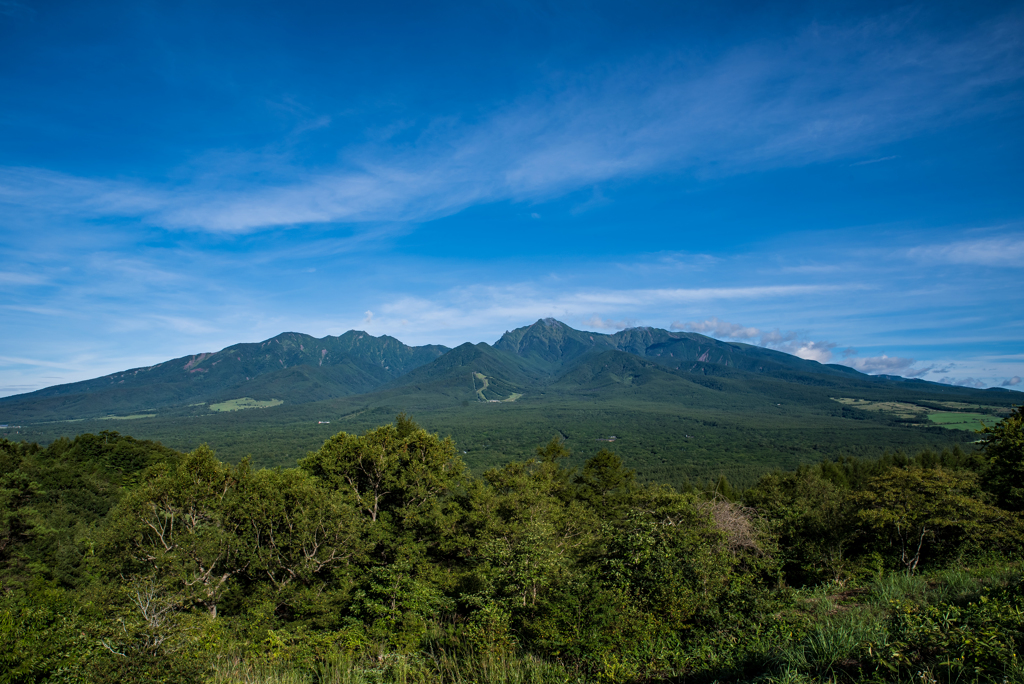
pixel 922 513
pixel 683 408
pixel 1004 445
pixel 381 558
pixel 292 367
pixel 51 499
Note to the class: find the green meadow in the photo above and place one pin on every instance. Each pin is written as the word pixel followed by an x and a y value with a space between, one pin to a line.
pixel 962 421
pixel 244 403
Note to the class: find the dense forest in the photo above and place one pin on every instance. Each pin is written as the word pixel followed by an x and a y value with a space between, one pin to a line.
pixel 382 558
pixel 679 408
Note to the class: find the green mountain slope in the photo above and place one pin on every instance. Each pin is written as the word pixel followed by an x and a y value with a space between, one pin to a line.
pixel 553 346
pixel 292 367
pixel 470 372
pixel 680 406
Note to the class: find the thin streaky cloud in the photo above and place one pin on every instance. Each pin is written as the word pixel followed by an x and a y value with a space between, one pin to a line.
pixel 13 278
pixel 886 365
pixel 38 310
pixel 10 8
pixel 758 107
pixel 876 161
pixel 1006 251
pixel 596 321
pixel 716 328
pixel 791 342
pixel 36 362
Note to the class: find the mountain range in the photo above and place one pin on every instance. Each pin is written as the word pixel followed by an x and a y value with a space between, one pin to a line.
pixel 295 368
pixel 675 403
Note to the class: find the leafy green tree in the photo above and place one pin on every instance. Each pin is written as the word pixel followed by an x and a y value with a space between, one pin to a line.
pixel 1004 445
pixel 20 522
pixel 293 530
pixel 672 557
pixel 174 528
pixel 554 451
pixel 403 485
pixel 605 480
pixel 930 512
pixel 525 535
pixel 813 519
pixel 393 472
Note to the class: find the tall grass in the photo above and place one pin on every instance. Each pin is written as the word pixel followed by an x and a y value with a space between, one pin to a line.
pixel 442 668
pixel 834 645
pixel 836 640
pixel 897 587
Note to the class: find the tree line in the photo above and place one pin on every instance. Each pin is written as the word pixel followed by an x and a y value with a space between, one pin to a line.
pixel 122 560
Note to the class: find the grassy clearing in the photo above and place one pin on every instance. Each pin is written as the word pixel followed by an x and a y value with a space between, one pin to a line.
pixel 897 408
pixel 244 403
pixel 486 384
pixel 393 668
pixel 134 416
pixel 956 419
pixel 480 392
pixel 962 421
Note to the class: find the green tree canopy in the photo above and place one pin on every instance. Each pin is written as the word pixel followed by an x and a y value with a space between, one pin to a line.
pixel 1004 445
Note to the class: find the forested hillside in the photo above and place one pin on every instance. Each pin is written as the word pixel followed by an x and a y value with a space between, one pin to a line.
pixel 681 407
pixel 381 558
pixel 289 367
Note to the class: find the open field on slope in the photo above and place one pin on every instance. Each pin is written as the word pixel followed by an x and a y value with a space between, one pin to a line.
pixel 244 403
pixel 963 416
pixel 131 417
pixel 962 421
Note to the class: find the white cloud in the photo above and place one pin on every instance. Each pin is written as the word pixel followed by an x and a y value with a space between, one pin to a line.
pixel 788 342
pixel 8 390
pixel 1011 382
pixel 793 342
pixel 874 161
pixel 185 324
pixel 596 321
pixel 815 351
pixel 964 382
pixel 826 93
pixel 992 251
pixel 367 317
pixel 482 306
pixel 20 360
pixel 885 365
pixel 9 278
pixel 716 328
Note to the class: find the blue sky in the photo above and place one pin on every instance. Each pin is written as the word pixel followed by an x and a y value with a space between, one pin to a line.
pixel 844 181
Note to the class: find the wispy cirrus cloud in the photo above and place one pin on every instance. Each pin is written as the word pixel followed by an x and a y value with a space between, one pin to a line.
pixel 14 278
pixel 716 328
pixel 790 342
pixel 596 321
pixel 793 342
pixel 497 307
pixel 825 93
pixel 9 8
pixel 964 382
pixel 887 365
pixel 23 361
pixel 1002 250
